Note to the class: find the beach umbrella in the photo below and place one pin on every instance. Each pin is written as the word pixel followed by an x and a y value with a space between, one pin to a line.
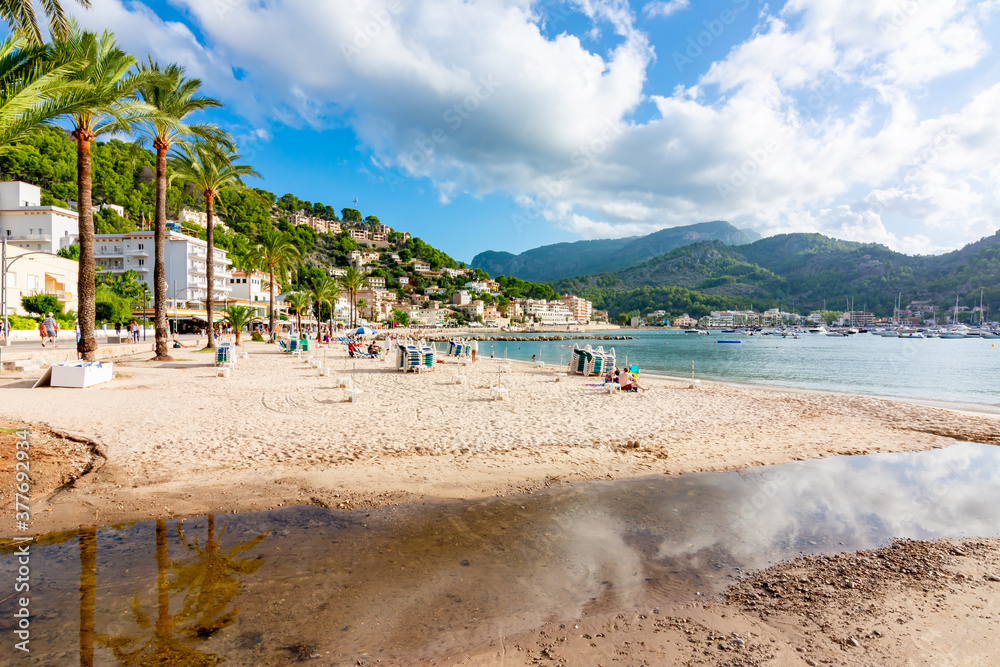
pixel 364 330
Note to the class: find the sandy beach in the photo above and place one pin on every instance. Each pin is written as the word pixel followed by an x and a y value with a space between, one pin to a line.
pixel 174 440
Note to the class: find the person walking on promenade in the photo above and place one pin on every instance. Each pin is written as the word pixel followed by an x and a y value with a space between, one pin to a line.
pixel 51 329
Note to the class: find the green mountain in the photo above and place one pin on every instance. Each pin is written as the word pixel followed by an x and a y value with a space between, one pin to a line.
pixel 562 260
pixel 804 271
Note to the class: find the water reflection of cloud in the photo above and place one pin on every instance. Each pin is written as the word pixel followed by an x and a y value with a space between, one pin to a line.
pixel 860 501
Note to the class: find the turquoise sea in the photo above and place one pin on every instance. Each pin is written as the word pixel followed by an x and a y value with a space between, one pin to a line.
pixel 955 372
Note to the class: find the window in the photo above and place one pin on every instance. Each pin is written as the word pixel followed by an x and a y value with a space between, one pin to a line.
pixel 142 262
pixel 11 279
pixel 140 246
pixel 32 282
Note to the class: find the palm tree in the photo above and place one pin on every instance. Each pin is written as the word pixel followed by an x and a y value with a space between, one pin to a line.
pixel 209 581
pixel 34 86
pixel 238 317
pixel 297 302
pixel 88 590
pixel 212 169
pixel 275 254
pixel 362 304
pixel 20 15
pixel 324 290
pixel 353 281
pixel 175 98
pixel 103 102
pixel 158 642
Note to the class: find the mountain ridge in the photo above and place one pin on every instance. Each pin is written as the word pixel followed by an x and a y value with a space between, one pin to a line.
pixel 567 259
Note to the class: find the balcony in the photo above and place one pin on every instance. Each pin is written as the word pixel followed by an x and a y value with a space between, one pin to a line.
pixel 138 253
pixel 107 252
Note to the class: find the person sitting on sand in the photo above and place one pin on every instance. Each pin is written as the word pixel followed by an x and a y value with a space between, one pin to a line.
pixel 630 382
pixel 177 342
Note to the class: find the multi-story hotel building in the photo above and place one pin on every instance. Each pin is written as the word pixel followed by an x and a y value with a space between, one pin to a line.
pixel 581 308
pixel 30 226
pixel 185 264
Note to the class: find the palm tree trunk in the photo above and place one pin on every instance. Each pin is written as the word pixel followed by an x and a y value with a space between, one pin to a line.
pixel 86 284
pixel 270 307
pixel 88 587
pixel 210 268
pixel 160 240
pixel 319 314
pixel 210 544
pixel 162 572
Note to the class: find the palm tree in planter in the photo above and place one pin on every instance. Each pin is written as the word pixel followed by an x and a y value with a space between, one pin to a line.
pixel 353 281
pixel 277 255
pixel 102 102
pixel 324 290
pixel 239 317
pixel 212 169
pixel 174 98
pixel 298 302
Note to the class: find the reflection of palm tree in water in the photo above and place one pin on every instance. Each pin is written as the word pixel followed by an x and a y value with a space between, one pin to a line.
pixel 209 581
pixel 88 585
pixel 161 646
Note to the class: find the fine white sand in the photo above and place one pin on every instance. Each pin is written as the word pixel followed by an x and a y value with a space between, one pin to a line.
pixel 178 432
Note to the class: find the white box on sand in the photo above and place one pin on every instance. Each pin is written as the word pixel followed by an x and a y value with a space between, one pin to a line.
pixel 80 374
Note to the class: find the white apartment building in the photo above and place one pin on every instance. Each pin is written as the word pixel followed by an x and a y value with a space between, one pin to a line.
pixel 119 210
pixel 477 286
pixel 33 227
pixel 548 312
pixel 253 289
pixel 199 218
pixel 184 261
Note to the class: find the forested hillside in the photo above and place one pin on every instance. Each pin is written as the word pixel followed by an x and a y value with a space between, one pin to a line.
pixel 562 260
pixel 807 271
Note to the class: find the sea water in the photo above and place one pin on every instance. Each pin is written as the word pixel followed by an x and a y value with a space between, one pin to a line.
pixel 957 372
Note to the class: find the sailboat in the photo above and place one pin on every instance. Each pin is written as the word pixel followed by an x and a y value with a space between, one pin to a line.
pixel 956 330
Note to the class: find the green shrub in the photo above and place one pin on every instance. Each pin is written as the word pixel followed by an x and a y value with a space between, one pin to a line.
pixel 41 304
pixel 21 323
pixel 256 337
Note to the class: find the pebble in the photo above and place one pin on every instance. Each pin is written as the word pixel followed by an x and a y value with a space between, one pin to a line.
pixel 854 642
pixel 992 577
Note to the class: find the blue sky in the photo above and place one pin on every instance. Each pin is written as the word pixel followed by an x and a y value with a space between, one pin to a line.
pixel 509 124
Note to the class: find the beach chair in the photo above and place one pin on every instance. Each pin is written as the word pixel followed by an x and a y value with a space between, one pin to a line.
pixel 223 354
pixel 282 346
